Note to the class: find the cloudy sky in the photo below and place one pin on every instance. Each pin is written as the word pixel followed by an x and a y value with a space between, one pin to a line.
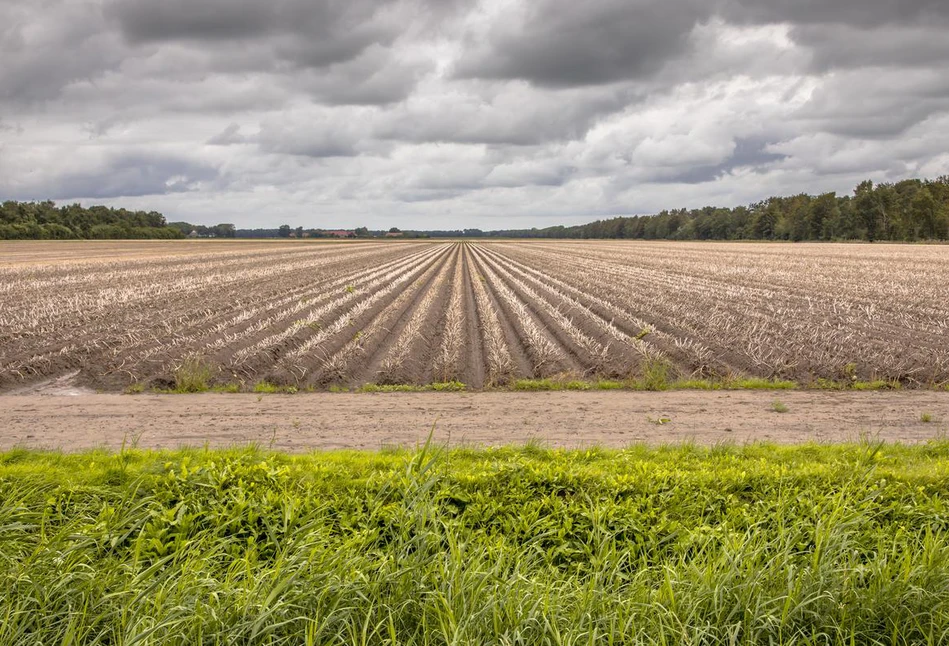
pixel 445 114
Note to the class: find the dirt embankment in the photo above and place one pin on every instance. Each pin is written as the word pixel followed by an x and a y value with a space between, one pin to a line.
pixel 304 422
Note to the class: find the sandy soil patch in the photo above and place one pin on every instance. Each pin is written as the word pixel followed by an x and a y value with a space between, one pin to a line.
pixel 305 422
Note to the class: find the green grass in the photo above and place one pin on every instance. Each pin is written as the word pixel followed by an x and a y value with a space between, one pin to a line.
pixel 653 383
pixel 751 383
pixel 758 383
pixel 779 407
pixel 389 388
pixel 572 384
pixel 756 544
pixel 227 388
pixel 269 388
pixel 448 386
pixel 192 376
pixel 655 375
pixel 876 384
pixel 441 386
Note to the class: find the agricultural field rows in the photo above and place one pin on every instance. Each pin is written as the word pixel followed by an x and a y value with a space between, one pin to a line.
pixel 482 314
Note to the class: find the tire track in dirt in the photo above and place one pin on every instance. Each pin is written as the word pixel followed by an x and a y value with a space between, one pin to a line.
pixel 443 363
pixel 656 332
pixel 229 322
pixel 296 326
pixel 339 353
pixel 586 345
pixel 296 284
pixel 429 302
pixel 159 371
pixel 599 322
pixel 138 325
pixel 546 353
pixel 473 357
pixel 523 366
pixel 109 297
pixel 498 356
pixel 440 355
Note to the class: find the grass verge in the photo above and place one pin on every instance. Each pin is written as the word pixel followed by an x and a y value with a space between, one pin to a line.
pixel 653 383
pixel 725 545
pixel 194 379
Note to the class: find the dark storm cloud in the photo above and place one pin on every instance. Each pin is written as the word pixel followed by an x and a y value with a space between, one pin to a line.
pixel 308 138
pixel 46 46
pixel 375 77
pixel 40 52
pixel 749 152
pixel 299 33
pixel 126 175
pixel 563 43
pixel 519 116
pixel 858 13
pixel 229 136
pixel 877 102
pixel 559 43
pixel 844 46
pixel 144 20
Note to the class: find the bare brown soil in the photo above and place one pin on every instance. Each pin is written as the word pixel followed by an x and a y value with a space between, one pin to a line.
pixel 13 252
pixel 304 422
pixel 118 315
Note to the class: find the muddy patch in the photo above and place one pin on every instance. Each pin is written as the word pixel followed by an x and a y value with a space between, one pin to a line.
pixel 63 386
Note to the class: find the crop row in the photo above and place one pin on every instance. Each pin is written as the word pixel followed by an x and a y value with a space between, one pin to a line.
pixel 481 313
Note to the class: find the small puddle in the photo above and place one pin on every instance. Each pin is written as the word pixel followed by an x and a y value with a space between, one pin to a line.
pixel 62 386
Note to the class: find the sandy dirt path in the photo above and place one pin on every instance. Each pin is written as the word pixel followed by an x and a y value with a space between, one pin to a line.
pixel 304 422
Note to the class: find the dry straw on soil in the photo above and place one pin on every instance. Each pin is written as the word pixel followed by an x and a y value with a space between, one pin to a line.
pixel 486 313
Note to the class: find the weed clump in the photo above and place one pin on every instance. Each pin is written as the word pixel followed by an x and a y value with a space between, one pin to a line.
pixel 655 374
pixel 779 407
pixel 192 376
pixel 449 386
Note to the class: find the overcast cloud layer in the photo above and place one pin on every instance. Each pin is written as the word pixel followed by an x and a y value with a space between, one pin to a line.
pixel 437 114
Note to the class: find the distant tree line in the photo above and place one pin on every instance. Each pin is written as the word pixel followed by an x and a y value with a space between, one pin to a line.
pixel 286 231
pixel 456 233
pixel 202 231
pixel 46 221
pixel 905 211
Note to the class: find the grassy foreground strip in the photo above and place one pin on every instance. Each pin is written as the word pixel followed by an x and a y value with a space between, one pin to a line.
pixel 758 544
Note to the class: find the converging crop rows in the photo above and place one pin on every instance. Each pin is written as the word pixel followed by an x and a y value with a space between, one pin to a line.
pixel 316 315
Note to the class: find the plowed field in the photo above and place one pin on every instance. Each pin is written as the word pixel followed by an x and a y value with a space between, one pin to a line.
pixel 114 315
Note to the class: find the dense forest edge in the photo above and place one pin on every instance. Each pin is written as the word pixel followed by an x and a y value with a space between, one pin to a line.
pixel 906 211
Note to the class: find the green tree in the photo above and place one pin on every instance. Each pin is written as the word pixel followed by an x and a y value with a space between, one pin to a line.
pixel 824 213
pixel 926 215
pixel 224 230
pixel 865 209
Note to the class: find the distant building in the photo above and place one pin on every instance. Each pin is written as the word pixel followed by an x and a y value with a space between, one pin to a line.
pixel 339 233
pixel 394 234
pixel 193 234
